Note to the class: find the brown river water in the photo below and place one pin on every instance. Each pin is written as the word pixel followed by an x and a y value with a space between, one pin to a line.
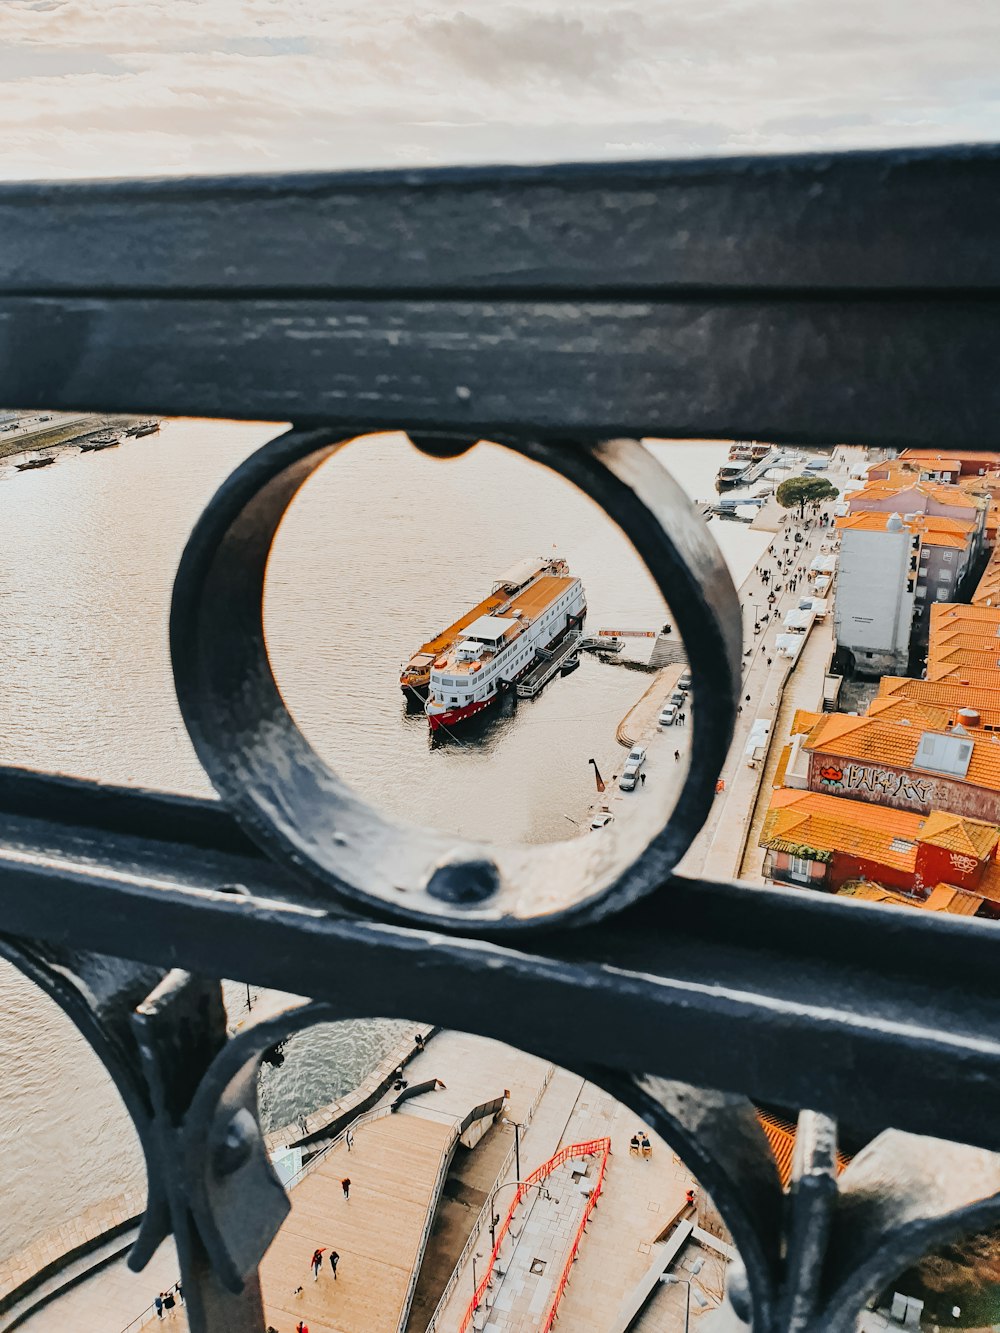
pixel 383 548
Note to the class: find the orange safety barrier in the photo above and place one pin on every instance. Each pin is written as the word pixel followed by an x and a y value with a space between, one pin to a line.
pixel 588 1149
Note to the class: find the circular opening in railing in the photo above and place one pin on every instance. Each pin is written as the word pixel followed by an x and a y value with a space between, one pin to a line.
pixel 471 694
pixel 447 1182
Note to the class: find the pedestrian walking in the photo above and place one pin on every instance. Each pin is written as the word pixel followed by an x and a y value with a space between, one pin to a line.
pixel 301 1327
pixel 418 1041
pixel 345 1185
pixel 169 1303
pixel 768 661
pixel 748 698
pixel 334 1261
pixel 677 756
pixel 180 1292
pixel 315 1262
pixel 642 779
pixel 349 1140
pixel 159 1306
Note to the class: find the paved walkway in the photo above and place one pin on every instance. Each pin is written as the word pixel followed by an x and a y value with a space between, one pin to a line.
pixel 535 1251
pixel 641 1198
pixel 804 690
pixel 393 1168
pixel 718 850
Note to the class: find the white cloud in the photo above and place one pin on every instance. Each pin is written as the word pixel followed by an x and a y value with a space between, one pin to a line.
pixel 112 87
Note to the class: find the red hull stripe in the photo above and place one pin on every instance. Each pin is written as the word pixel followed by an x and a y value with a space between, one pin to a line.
pixel 458 714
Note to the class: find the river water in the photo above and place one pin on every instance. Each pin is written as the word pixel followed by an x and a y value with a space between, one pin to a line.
pixel 382 548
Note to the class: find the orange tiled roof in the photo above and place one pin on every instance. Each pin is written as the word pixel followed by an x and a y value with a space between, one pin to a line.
pixel 872 740
pixel 971 837
pixel 832 823
pixel 803 720
pixel 988 588
pixel 974 457
pixel 898 708
pixel 972 676
pixel 944 898
pixel 989 883
pixel 879 488
pixel 941 665
pixel 870 892
pixel 951 533
pixel 945 694
pixel 954 901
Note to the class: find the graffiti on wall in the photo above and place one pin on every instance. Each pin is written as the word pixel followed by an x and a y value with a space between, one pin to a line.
pixel 885 783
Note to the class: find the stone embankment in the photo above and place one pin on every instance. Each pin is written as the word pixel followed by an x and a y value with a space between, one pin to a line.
pixel 61 432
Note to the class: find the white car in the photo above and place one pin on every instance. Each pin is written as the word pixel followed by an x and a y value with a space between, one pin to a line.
pixel 636 756
pixel 629 777
pixel 668 716
pixel 601 820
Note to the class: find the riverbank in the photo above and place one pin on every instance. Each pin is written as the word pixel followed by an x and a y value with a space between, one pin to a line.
pixel 40 435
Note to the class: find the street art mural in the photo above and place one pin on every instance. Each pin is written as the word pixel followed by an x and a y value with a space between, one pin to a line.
pixel 885 783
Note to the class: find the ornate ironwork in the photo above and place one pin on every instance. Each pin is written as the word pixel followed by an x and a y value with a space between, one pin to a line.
pixel 820 300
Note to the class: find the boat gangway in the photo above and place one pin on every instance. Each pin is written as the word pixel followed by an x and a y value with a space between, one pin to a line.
pixel 546 667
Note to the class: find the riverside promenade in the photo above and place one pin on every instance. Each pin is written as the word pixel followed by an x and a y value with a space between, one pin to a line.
pixel 719 850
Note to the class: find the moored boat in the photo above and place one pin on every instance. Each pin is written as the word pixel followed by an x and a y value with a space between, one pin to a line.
pixel 415 675
pixel 32 463
pixel 498 648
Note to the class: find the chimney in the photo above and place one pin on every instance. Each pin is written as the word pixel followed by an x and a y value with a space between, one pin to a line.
pixel 969 717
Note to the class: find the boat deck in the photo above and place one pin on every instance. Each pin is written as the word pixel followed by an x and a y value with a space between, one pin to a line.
pixel 534 599
pixel 448 636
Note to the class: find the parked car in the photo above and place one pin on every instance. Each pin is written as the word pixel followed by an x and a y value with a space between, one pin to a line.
pixel 685 682
pixel 637 756
pixel 629 777
pixel 668 716
pixel 677 698
pixel 601 820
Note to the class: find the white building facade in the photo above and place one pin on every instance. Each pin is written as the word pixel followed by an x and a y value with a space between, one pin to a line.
pixel 876 590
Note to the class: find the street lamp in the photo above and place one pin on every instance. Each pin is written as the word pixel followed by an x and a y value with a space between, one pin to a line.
pixel 475 1282
pixel 494 1218
pixel 670 1280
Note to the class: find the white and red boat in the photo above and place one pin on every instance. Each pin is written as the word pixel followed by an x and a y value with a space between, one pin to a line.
pixel 497 649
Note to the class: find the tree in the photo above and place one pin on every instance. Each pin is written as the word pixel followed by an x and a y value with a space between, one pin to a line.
pixel 803 491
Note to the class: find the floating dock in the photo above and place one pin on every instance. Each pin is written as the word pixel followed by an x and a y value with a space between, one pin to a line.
pixel 546 667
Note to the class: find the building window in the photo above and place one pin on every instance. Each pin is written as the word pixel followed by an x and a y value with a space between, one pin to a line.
pixel 943 593
pixel 799 867
pixel 948 555
pixel 921 592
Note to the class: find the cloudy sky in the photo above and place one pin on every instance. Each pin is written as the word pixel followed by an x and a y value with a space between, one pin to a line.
pixel 148 87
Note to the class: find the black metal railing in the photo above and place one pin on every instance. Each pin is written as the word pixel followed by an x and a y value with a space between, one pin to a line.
pixel 850 298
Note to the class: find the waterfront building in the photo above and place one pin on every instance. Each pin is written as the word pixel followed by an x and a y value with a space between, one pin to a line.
pixel 891 568
pixel 897 763
pixel 940 467
pixel 945 861
pixel 923 497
